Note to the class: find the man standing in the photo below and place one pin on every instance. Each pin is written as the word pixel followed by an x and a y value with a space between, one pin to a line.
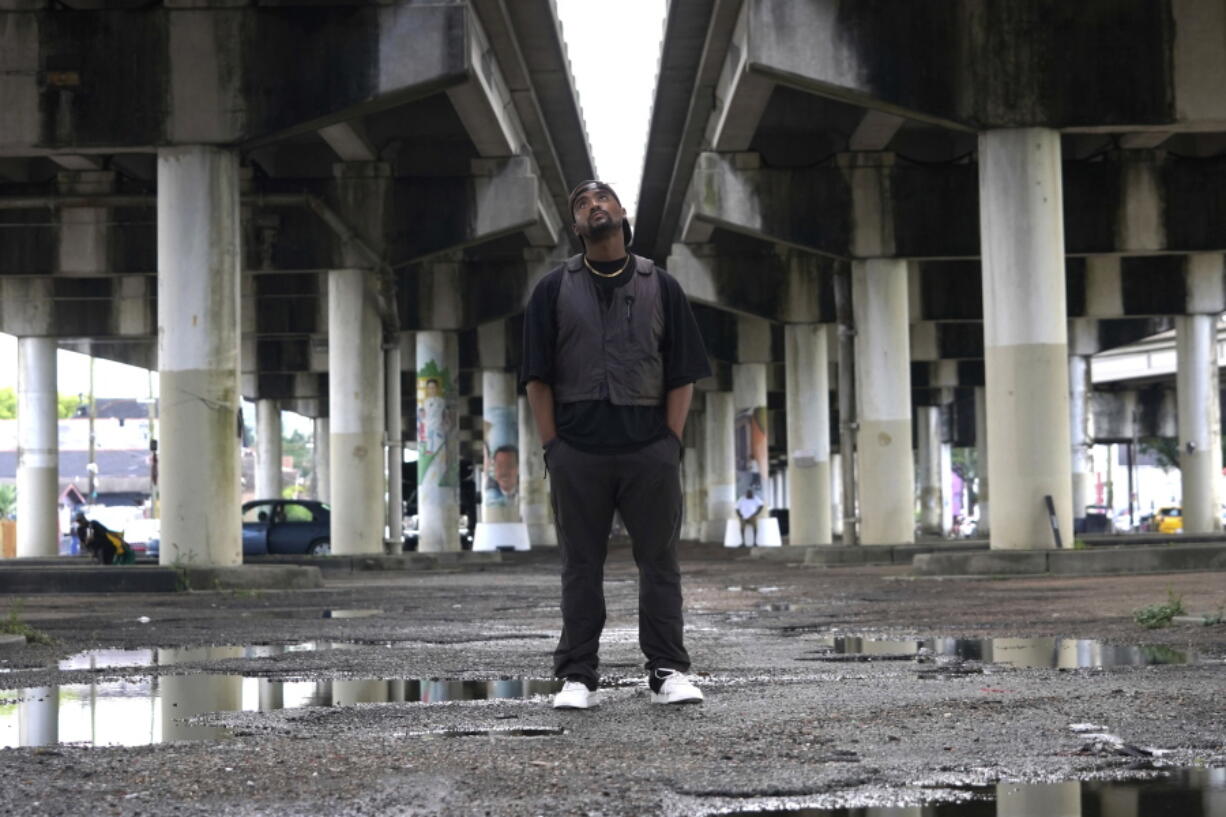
pixel 747 509
pixel 611 353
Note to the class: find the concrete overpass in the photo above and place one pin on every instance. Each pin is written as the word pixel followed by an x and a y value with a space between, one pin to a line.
pixel 326 208
pixel 323 208
pixel 991 193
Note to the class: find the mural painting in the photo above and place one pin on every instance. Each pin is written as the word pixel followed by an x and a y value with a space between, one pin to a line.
pixel 436 427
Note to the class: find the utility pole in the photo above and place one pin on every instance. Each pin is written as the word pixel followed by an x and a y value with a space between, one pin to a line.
pixel 153 452
pixel 92 466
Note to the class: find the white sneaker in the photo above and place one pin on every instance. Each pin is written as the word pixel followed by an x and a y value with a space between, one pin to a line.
pixel 675 688
pixel 576 695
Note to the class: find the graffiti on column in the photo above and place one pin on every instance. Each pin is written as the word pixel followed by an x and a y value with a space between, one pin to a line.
pixel 751 452
pixel 501 487
pixel 435 426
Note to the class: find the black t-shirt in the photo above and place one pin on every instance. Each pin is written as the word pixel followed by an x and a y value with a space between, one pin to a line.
pixel 599 426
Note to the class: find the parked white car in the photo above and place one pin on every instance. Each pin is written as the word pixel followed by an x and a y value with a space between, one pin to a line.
pixel 144 535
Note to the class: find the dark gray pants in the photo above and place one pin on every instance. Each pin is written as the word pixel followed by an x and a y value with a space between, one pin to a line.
pixel 644 486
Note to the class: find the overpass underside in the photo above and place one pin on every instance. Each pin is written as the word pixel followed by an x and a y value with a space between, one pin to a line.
pixel 993 193
pixel 310 206
pixel 340 211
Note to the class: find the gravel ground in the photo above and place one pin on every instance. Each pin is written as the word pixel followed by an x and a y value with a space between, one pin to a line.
pixel 786 722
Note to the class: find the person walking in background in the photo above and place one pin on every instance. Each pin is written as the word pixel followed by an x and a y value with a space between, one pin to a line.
pixel 611 354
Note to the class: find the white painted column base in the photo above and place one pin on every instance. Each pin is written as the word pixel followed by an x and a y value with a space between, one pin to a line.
pixel 535 502
pixel 732 533
pixel 501 536
pixel 766 533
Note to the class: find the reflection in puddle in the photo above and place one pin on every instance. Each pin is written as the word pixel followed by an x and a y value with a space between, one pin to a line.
pixel 1181 793
pixel 154 710
pixel 1049 653
pixel 352 613
pixel 167 657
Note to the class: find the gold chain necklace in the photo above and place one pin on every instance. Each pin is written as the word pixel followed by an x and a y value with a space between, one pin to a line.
pixel 595 271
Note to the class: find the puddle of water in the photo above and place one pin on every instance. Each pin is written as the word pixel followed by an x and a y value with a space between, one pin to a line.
pixel 142 711
pixel 1027 653
pixel 1180 793
pixel 352 613
pixel 507 732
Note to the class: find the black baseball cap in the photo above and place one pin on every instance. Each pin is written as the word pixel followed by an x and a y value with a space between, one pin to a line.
pixel 593 184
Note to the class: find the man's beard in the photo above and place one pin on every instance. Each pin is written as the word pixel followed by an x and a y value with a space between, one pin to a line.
pixel 601 229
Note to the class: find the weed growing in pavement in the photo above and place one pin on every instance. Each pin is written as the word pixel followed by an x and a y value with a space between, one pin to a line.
pixel 13 625
pixel 1155 616
pixel 1213 619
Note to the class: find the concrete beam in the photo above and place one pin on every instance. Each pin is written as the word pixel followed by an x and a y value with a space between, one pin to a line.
pixel 1144 140
pixel 76 161
pixel 1019 64
pixel 875 131
pixel 1140 203
pixel 783 285
pixel 483 102
pixel 183 75
pixel 507 198
pixel 740 95
pixel 349 141
pixel 807 210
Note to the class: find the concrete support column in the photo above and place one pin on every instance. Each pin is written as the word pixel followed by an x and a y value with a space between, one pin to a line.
pixel 1025 335
pixel 323 458
pixel 501 526
pixel 883 392
pixel 394 419
pixel 1080 440
pixel 356 421
pixel 808 433
pixel 438 449
pixel 1200 430
pixel 749 403
pixel 693 523
pixel 268 449
pixel 719 463
pixel 981 455
pixel 500 420
pixel 836 495
pixel 947 488
pixel 38 448
pixel 199 259
pixel 928 470
pixel 535 507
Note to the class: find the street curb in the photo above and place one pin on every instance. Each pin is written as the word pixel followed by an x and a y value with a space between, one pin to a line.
pixel 1099 561
pixel 251 577
pixel 11 643
pixel 378 562
pixel 837 556
pixel 42 578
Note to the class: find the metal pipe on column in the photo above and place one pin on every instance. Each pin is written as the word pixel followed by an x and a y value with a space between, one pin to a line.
pixel 395 446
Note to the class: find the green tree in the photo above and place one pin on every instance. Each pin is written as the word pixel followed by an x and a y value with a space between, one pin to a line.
pixel 8 500
pixel 67 404
pixel 297 446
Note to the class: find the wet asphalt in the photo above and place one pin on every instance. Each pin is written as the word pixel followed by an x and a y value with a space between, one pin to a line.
pixel 788 722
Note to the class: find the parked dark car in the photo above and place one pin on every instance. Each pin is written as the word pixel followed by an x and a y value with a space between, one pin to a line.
pixel 294 526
